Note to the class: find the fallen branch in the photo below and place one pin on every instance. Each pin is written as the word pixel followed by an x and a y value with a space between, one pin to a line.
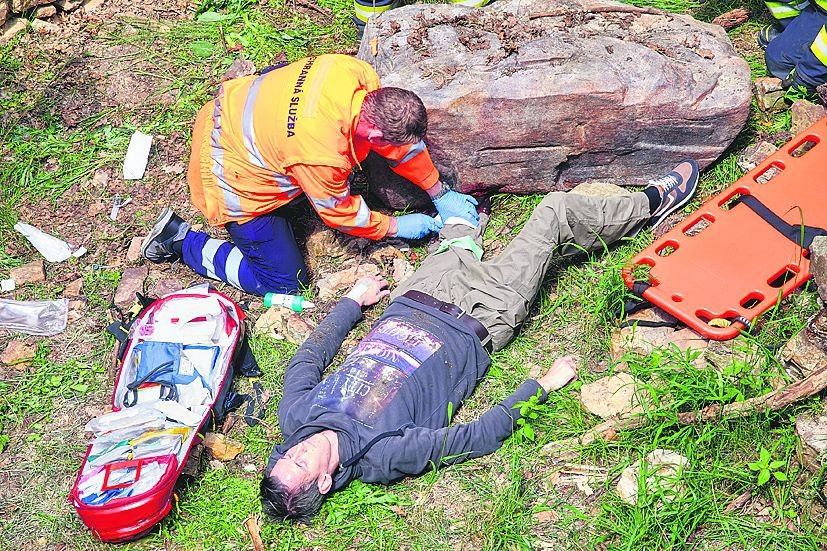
pixel 812 384
pixel 605 9
pixel 314 7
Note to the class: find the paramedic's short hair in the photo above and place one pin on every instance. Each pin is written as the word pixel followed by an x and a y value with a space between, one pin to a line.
pixel 280 503
pixel 399 113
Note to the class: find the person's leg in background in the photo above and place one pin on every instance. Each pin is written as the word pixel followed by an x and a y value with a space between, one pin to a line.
pixel 364 9
pixel 264 256
pixel 797 49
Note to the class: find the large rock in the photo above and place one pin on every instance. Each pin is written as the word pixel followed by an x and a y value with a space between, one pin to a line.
pixel 818 265
pixel 598 91
pixel 19 6
pixel 812 440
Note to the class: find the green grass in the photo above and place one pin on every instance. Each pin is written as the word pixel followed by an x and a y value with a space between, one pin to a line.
pixel 489 503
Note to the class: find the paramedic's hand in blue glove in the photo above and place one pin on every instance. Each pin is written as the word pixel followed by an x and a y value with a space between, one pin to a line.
pixel 369 290
pixel 414 226
pixel 457 204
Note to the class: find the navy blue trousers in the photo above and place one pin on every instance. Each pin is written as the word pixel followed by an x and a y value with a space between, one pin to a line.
pixel 791 49
pixel 263 257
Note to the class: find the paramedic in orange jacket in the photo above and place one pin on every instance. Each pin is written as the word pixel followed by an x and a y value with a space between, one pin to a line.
pixel 297 129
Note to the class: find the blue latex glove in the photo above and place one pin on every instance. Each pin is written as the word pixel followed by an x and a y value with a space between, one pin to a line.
pixel 457 204
pixel 416 226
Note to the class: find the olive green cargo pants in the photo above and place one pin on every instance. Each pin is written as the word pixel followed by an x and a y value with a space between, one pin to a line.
pixel 499 292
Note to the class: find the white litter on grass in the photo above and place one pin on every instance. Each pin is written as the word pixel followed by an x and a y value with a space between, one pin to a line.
pixel 52 248
pixel 7 285
pixel 137 156
pixel 80 252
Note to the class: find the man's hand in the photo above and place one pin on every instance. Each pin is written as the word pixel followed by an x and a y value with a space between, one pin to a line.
pixel 415 226
pixel 457 204
pixel 562 372
pixel 369 290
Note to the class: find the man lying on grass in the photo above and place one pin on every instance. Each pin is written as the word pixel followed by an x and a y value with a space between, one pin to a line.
pixel 385 413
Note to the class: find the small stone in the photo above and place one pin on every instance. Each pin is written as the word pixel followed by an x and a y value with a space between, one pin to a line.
pixel 101 178
pixel 641 340
pixel 599 189
pixel 216 465
pixel 812 440
pixel 134 251
pixel 818 265
pixel 92 5
pixel 769 94
pixel 732 18
pixel 12 28
pixel 239 68
pixel 73 289
pixel 221 447
pixel 822 93
pixel 45 12
pixel 33 272
pixel 663 472
pixel 177 168
pixel 385 252
pixel 18 353
pixel 77 308
pixel 804 114
pixel 165 286
pixel 44 27
pixel 335 283
pixel 611 396
pixel 132 281
pixel 249 468
pixel 322 246
pixel 68 5
pixel 282 322
pixel 754 155
pixel 402 270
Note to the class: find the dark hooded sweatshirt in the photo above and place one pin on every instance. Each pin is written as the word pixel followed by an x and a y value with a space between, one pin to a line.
pixel 391 400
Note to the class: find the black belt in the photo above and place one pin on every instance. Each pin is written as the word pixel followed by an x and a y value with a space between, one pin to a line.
pixel 456 312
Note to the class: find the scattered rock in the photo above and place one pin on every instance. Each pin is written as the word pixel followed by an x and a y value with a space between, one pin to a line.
pixel 550 71
pixel 90 6
pixel 19 6
pixel 322 245
pixel 19 353
pixel 804 114
pixel 807 350
pixel 285 323
pixel 822 93
pixel 77 308
pixel 239 68
pixel 662 470
pixel 73 289
pixel 134 251
pixel 12 28
pixel 101 178
pixel 732 18
pixel 68 5
pixel 165 286
pixel 755 154
pixel 641 340
pixel 402 270
pixel 384 253
pixel 216 465
pixel 249 468
pixel 600 189
pixel 132 281
pixel 812 440
pixel 722 354
pixel 611 396
pixel 331 285
pixel 177 168
pixel 818 265
pixel 45 12
pixel 44 27
pixel 769 94
pixel 4 12
pixel 33 272
pixel 221 447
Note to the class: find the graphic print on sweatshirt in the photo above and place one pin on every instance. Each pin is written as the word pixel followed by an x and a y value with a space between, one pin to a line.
pixel 373 373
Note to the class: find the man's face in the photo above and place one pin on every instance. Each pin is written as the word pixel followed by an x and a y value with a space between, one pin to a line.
pixel 305 462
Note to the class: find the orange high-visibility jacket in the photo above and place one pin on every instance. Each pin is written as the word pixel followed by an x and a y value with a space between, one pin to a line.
pixel 265 139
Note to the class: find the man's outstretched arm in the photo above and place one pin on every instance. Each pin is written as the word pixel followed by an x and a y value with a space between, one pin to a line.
pixel 421 449
pixel 306 367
